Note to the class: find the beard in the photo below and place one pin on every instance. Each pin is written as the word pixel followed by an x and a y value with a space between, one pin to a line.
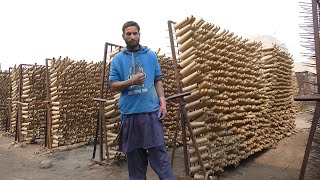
pixel 132 44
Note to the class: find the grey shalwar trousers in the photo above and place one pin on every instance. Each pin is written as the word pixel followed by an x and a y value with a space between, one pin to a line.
pixel 142 139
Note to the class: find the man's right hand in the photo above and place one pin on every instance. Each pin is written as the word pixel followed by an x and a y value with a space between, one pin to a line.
pixel 138 78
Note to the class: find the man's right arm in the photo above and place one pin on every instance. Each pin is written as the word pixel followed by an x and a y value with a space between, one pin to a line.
pixel 121 85
pixel 137 79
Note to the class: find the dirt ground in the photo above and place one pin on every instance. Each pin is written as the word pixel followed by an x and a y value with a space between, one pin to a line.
pixel 24 163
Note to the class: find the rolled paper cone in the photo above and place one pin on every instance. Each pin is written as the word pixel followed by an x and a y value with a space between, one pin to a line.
pixel 195 169
pixel 183 30
pixel 54 93
pixel 53 83
pixel 114 119
pixel 114 152
pixel 189 88
pixel 55 126
pixel 204 85
pixel 111 143
pixel 56 121
pixel 112 134
pixel 200 38
pixel 111 139
pixel 196 113
pixel 207 26
pixel 193 96
pixel 196 67
pixel 112 54
pixel 204 156
pixel 197 124
pixel 186 45
pixel 183 23
pixel 267 49
pixel 199 22
pixel 54 141
pixel 110 107
pixel 25 96
pixel 28 100
pixel 187 61
pixel 199 131
pixel 26 88
pixel 55 116
pixel 193 105
pixel 26 83
pixel 185 37
pixel 57 137
pixel 202 118
pixel 198 176
pixel 52 75
pixel 26 77
pixel 266 57
pixel 54 98
pixel 202 47
pixel 187 53
pixel 186 70
pixel 191 78
pixel 24 112
pixel 201 149
pixel 112 126
pixel 55 108
pixel 109 102
pixel 26 124
pixel 116 96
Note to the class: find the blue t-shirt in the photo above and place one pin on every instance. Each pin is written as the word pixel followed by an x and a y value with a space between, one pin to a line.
pixel 137 98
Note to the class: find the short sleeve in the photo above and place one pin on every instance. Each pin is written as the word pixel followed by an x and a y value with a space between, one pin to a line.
pixel 114 74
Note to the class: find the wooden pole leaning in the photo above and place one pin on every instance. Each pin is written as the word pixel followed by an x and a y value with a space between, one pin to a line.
pixel 101 121
pixel 48 134
pixel 9 103
pixel 182 110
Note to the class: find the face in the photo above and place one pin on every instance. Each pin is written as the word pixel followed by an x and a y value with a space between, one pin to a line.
pixel 131 36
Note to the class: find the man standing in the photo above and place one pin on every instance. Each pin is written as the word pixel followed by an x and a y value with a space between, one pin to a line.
pixel 136 73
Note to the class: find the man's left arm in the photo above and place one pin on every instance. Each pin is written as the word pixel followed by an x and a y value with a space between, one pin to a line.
pixel 163 105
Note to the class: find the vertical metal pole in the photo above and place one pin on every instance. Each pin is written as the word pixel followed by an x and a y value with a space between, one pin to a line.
pixel 101 121
pixel 103 76
pixel 316 115
pixel 10 100
pixel 175 138
pixel 96 137
pixel 184 121
pixel 19 106
pixel 183 125
pixel 103 118
pixel 48 119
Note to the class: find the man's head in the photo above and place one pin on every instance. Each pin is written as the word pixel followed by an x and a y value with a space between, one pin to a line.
pixel 131 34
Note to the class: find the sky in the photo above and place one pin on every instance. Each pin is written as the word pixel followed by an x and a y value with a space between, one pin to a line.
pixel 33 30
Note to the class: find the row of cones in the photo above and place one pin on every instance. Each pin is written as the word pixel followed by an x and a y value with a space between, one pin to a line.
pixel 241 93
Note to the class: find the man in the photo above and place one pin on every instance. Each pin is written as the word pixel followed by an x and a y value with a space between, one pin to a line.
pixel 136 73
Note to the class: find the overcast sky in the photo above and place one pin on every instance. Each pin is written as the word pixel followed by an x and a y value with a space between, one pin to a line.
pixel 32 30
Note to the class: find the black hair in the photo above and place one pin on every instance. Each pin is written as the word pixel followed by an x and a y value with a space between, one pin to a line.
pixel 130 23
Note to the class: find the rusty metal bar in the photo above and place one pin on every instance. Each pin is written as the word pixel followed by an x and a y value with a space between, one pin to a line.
pixel 19 109
pixel 316 116
pixel 184 118
pixel 101 121
pixel 48 114
pixel 313 97
pixel 178 95
pixel 183 126
pixel 10 100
